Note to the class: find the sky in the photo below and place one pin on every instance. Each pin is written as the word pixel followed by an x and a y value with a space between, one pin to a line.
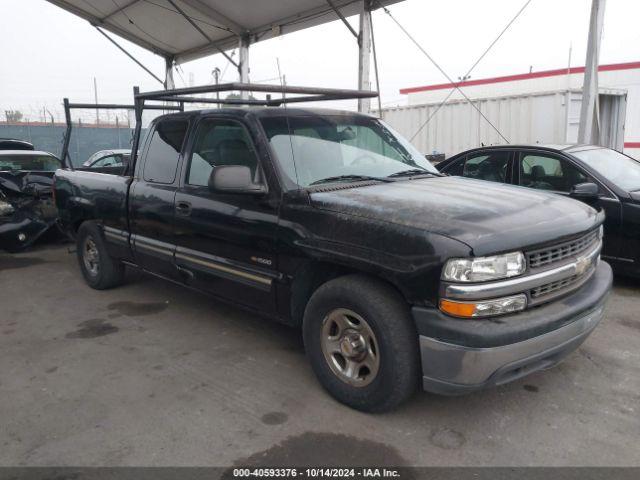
pixel 49 54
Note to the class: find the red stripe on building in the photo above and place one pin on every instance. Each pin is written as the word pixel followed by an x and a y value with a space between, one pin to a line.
pixel 631 144
pixel 522 76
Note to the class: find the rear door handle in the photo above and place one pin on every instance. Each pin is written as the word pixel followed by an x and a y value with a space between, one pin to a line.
pixel 183 208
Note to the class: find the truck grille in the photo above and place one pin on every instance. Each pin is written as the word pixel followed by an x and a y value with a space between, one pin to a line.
pixel 553 286
pixel 556 253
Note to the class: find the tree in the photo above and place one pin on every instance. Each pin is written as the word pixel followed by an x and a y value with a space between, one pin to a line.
pixel 13 116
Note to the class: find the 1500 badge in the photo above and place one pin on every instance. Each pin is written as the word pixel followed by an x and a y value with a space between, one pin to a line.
pixel 263 261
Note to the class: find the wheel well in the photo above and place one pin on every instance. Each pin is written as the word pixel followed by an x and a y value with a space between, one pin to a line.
pixel 76 225
pixel 71 229
pixel 314 275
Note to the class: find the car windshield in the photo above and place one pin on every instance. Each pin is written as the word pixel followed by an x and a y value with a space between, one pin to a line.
pixel 619 169
pixel 35 163
pixel 323 148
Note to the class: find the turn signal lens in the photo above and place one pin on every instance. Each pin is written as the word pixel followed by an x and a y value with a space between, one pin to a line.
pixel 485 308
pixel 458 309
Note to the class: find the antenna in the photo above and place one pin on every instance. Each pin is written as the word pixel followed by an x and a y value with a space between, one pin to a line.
pixel 286 116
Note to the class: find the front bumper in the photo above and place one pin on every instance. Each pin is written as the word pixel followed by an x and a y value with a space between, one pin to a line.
pixel 460 356
pixel 21 230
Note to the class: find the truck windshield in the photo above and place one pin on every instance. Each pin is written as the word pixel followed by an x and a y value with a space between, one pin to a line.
pixel 34 163
pixel 316 148
pixel 619 169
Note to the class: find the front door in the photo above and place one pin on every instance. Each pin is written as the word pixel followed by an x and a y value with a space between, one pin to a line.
pixel 546 171
pixel 151 201
pixel 225 241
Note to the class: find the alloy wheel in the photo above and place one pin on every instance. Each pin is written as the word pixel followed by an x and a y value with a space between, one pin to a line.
pixel 350 347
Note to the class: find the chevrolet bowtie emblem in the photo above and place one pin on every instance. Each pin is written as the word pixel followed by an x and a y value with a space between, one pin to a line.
pixel 582 265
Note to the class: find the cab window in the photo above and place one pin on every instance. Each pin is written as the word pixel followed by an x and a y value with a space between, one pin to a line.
pixel 220 142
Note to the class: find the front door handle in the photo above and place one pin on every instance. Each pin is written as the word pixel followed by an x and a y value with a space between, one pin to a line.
pixel 183 208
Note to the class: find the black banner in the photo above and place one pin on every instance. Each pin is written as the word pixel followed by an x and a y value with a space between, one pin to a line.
pixel 318 472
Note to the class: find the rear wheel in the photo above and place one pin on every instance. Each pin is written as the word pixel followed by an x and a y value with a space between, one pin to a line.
pixel 362 343
pixel 99 270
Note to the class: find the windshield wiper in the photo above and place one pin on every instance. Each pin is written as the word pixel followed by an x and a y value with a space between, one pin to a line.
pixel 412 171
pixel 339 178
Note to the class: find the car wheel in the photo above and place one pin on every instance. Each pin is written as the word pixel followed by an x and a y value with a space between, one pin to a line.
pixel 100 271
pixel 362 343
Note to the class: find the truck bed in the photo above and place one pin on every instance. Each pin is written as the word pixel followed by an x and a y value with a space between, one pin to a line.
pixel 82 194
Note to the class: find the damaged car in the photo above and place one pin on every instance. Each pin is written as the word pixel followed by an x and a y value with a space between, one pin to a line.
pixel 27 210
pixel 108 161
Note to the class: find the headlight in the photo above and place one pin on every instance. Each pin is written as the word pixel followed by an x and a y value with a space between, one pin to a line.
pixel 5 208
pixel 481 269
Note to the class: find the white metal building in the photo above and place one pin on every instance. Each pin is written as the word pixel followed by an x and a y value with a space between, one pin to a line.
pixel 536 107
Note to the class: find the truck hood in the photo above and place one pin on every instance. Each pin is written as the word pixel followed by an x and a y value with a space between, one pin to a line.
pixel 488 217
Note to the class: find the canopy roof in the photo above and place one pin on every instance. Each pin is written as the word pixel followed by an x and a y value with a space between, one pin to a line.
pixel 159 25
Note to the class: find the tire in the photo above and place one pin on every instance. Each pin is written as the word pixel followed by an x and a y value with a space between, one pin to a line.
pixel 99 269
pixel 389 372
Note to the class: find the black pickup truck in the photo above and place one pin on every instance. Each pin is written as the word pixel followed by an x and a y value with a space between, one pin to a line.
pixel 398 275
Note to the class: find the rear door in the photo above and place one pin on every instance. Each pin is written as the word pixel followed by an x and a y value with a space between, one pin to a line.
pixel 152 196
pixel 557 174
pixel 225 241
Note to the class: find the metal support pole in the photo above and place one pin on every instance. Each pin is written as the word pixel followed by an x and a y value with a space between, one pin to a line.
pixel 139 105
pixel 589 128
pixel 169 83
pixel 122 49
pixel 216 76
pixel 341 17
pixel 243 65
pixel 202 32
pixel 364 56
pixel 95 93
pixel 375 65
pixel 66 161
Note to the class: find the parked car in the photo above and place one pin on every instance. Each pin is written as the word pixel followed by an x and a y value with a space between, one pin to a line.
pixel 330 221
pixel 27 210
pixel 13 144
pixel 601 177
pixel 108 161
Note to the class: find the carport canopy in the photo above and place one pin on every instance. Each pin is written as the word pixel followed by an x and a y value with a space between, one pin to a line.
pixel 186 30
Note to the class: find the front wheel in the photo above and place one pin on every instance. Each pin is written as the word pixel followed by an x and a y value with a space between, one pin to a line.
pixel 99 270
pixel 362 343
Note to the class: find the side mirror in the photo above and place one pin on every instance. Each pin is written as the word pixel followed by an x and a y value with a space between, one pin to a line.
pixel 234 179
pixel 585 191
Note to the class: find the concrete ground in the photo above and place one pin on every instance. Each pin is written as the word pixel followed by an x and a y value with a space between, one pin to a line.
pixel 154 374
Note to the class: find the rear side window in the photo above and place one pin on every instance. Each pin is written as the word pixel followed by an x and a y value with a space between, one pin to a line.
pixel 491 166
pixel 164 150
pixel 36 163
